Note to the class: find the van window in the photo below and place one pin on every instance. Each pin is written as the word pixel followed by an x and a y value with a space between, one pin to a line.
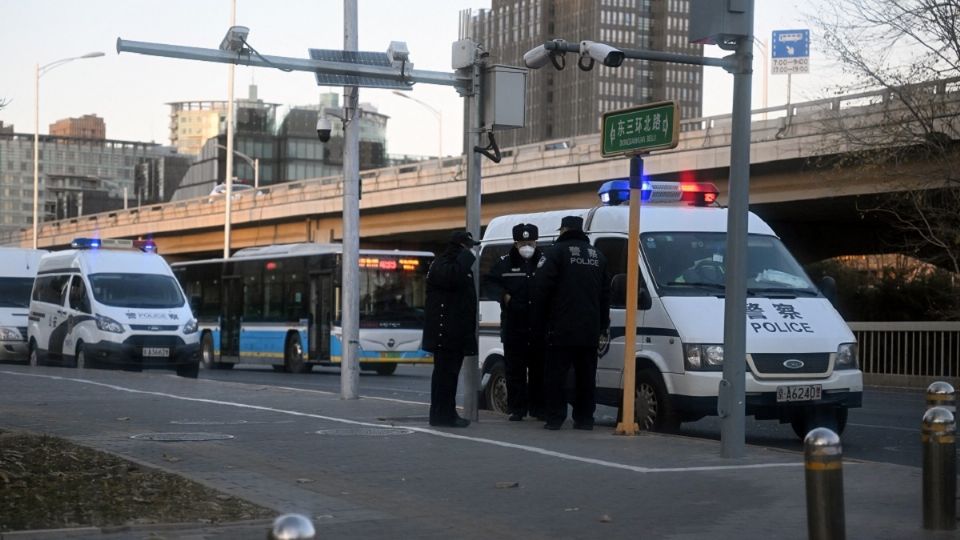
pixel 78 295
pixel 15 292
pixel 147 291
pixel 51 289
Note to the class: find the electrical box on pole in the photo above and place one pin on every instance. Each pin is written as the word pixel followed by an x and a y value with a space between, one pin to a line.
pixel 504 88
pixel 714 22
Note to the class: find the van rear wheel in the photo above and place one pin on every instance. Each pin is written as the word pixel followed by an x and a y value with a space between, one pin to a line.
pixel 496 390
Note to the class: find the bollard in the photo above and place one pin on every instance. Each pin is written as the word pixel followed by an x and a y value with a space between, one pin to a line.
pixel 939 470
pixel 823 458
pixel 941 394
pixel 291 527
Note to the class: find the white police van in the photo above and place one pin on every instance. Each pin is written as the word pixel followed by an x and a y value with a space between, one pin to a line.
pixel 18 267
pixel 111 303
pixel 802 365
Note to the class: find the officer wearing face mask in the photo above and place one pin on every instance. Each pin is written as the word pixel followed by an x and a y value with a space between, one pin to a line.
pixel 511 282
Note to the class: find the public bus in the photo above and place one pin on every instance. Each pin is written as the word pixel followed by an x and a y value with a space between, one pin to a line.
pixel 280 305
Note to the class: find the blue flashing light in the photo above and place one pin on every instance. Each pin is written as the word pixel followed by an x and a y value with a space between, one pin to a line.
pixel 147 246
pixel 616 192
pixel 85 243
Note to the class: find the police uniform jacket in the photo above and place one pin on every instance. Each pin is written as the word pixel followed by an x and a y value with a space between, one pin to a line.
pixel 519 319
pixel 573 291
pixel 450 318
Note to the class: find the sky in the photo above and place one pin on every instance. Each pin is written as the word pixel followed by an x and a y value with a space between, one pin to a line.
pixel 130 90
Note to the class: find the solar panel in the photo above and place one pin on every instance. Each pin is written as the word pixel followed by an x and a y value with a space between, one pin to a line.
pixel 363 58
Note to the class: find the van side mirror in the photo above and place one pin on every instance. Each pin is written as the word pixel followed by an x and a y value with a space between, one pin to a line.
pixel 828 288
pixel 618 293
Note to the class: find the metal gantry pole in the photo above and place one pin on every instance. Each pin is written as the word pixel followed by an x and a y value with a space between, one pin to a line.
pixel 228 207
pixel 471 368
pixel 731 401
pixel 349 367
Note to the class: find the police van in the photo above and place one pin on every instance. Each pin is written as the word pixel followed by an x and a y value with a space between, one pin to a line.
pixel 18 267
pixel 802 365
pixel 111 303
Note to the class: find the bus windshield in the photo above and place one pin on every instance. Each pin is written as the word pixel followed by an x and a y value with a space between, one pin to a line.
pixel 692 264
pixel 15 292
pixel 147 291
pixel 394 294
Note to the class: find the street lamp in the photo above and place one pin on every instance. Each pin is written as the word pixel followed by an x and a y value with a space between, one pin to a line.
pixel 39 72
pixel 439 124
pixel 254 162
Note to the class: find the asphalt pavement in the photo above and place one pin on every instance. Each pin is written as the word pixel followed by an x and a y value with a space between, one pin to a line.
pixel 373 468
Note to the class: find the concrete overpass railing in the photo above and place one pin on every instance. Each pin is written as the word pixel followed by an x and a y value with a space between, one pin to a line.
pixel 911 354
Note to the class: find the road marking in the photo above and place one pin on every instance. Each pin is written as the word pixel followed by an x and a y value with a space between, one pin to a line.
pixel 911 430
pixel 427 431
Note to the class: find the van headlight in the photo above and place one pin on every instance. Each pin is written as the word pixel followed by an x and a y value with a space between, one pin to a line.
pixel 8 333
pixel 847 356
pixel 109 325
pixel 190 327
pixel 703 357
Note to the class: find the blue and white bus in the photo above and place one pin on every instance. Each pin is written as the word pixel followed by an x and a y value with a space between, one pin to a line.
pixel 280 305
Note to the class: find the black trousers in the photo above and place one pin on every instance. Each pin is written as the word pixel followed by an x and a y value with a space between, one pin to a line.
pixel 524 373
pixel 559 360
pixel 443 385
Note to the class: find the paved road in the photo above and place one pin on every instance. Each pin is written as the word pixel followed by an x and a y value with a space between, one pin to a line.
pixel 886 429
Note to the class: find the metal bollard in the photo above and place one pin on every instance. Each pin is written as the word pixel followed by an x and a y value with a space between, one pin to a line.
pixel 823 458
pixel 942 394
pixel 939 470
pixel 292 527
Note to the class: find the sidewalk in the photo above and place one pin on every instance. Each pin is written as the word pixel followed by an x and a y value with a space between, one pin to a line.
pixel 373 468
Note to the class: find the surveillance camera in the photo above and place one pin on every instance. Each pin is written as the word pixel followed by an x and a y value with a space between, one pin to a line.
pixel 536 57
pixel 234 39
pixel 601 52
pixel 324 127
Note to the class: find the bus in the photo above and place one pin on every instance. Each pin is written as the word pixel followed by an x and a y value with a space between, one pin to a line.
pixel 280 305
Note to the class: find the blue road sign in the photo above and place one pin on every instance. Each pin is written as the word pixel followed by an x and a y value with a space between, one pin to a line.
pixel 790 44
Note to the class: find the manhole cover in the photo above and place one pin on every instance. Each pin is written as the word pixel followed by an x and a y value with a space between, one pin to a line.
pixel 365 432
pixel 207 422
pixel 179 437
pixel 404 418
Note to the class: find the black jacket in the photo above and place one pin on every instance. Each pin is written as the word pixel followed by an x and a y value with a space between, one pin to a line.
pixel 451 311
pixel 573 291
pixel 519 319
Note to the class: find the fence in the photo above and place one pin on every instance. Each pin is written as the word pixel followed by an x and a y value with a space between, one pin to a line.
pixel 908 353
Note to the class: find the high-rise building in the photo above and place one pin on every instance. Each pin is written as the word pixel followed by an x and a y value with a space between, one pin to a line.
pixel 193 123
pixel 571 102
pixel 88 126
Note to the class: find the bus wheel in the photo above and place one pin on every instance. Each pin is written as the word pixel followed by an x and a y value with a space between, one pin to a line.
pixel 293 356
pixel 279 368
pixel 206 352
pixel 386 369
pixel 653 410
pixel 496 390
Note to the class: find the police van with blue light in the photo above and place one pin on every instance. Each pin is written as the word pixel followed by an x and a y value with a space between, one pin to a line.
pixel 111 303
pixel 802 365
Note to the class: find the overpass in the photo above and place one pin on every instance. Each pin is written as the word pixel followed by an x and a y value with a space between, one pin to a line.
pixel 811 204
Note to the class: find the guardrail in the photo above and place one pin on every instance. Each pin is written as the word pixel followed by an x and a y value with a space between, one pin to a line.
pixel 908 353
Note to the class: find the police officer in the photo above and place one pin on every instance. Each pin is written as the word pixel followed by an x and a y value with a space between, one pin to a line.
pixel 450 323
pixel 573 290
pixel 511 282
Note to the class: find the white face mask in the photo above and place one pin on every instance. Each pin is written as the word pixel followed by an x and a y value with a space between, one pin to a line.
pixel 526 251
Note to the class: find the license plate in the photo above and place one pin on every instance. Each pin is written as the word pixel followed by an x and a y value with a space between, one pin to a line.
pixel 806 392
pixel 392 355
pixel 156 351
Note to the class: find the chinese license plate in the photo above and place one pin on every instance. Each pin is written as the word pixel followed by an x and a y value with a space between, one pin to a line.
pixel 807 392
pixel 156 351
pixel 392 355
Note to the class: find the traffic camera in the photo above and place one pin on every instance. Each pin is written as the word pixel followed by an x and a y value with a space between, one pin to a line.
pixel 324 127
pixel 601 52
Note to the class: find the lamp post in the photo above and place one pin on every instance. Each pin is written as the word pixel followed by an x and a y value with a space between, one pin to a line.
pixel 254 162
pixel 39 72
pixel 439 124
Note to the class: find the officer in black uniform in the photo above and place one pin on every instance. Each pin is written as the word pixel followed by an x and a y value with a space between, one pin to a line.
pixel 511 282
pixel 573 290
pixel 450 321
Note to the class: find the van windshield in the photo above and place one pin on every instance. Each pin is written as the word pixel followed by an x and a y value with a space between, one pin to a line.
pixel 693 264
pixel 149 291
pixel 15 292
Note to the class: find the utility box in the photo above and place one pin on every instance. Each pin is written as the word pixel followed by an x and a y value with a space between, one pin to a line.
pixel 719 21
pixel 504 93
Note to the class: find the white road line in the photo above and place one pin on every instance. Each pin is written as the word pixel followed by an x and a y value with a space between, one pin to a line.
pixel 911 430
pixel 436 433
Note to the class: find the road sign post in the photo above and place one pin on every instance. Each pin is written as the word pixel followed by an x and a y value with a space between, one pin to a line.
pixel 790 53
pixel 633 132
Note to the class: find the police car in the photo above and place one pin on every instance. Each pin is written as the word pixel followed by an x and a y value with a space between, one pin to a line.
pixel 111 302
pixel 802 365
pixel 18 267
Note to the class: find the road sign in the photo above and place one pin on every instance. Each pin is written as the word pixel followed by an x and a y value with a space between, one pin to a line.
pixel 636 130
pixel 790 52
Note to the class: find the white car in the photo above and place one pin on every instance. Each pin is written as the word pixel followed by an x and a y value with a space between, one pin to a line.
pixel 18 268
pixel 221 189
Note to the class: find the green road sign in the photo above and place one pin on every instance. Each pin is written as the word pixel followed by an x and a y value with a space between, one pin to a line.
pixel 636 130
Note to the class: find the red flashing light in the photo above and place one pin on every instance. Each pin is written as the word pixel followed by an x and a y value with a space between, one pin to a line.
pixel 271 266
pixel 699 193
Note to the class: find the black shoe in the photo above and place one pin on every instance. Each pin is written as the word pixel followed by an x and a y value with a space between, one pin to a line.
pixel 516 417
pixel 585 427
pixel 551 427
pixel 460 422
pixel 456 422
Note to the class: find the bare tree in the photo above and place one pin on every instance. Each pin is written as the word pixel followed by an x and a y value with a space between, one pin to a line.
pixel 910 50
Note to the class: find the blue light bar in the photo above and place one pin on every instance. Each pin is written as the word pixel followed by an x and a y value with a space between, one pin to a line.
pixel 85 243
pixel 616 192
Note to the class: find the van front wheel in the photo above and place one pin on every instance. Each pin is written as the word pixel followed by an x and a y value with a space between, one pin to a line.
pixel 34 354
pixel 832 418
pixel 653 409
pixel 80 359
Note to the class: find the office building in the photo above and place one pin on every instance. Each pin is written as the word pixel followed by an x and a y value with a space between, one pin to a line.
pixel 88 126
pixel 561 104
